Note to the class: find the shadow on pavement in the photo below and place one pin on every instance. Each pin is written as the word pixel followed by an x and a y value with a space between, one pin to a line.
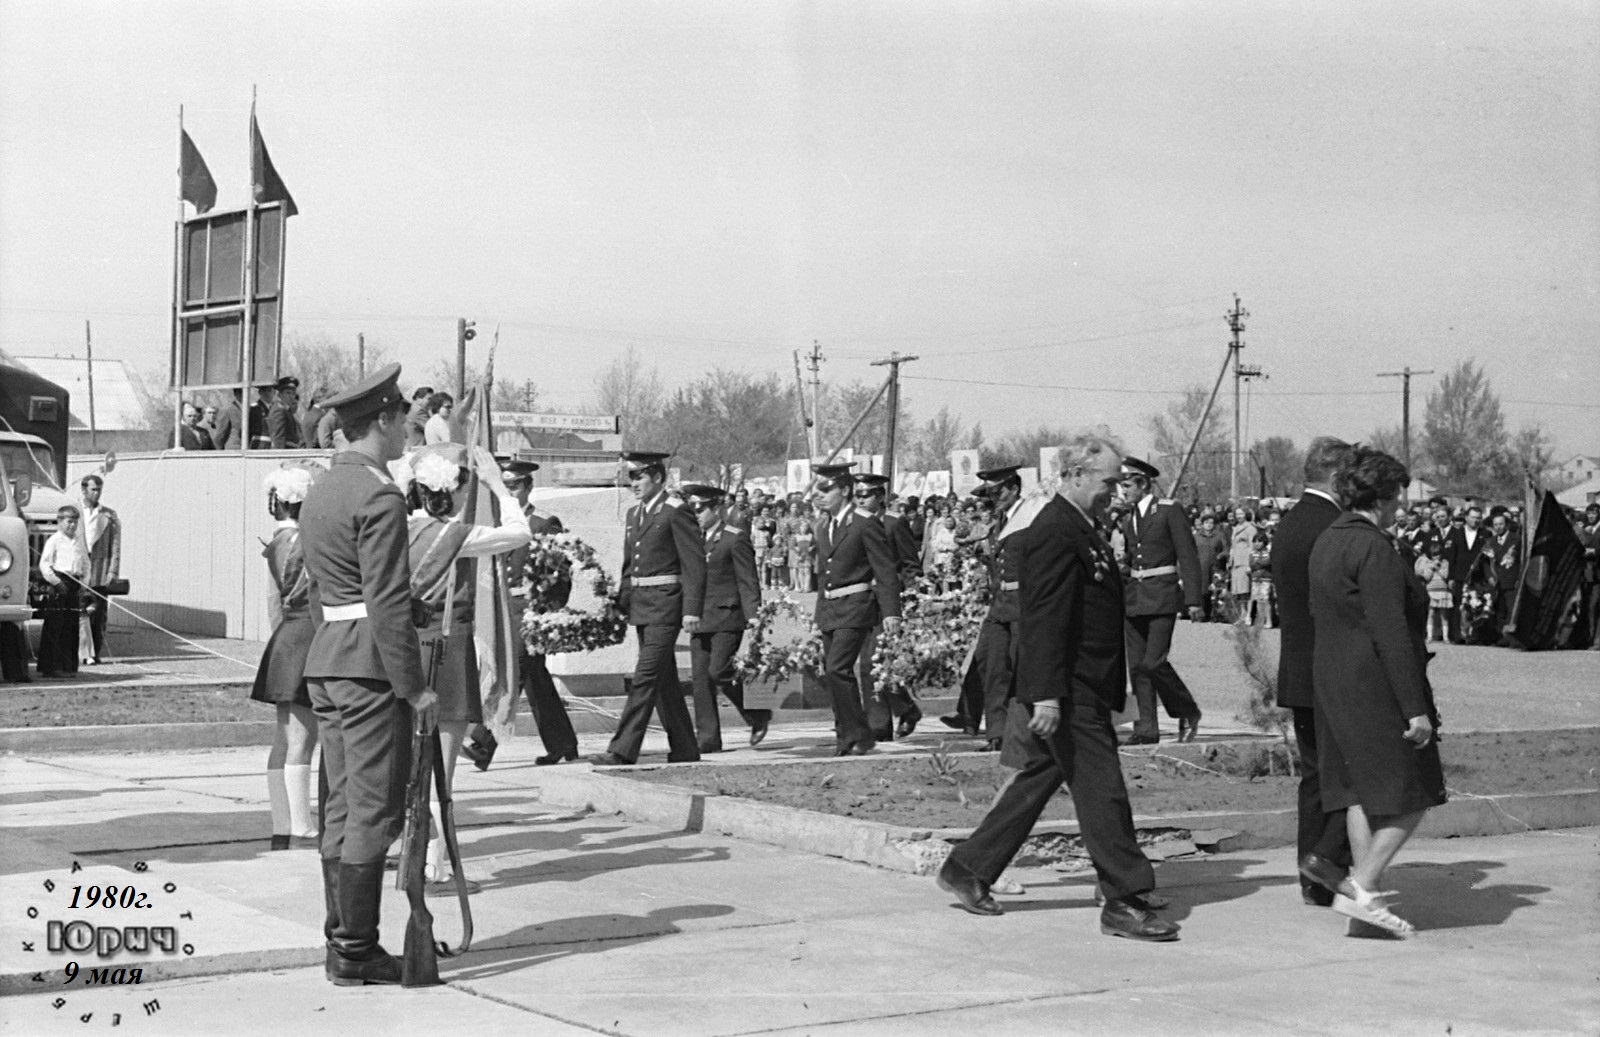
pixel 1453 896
pixel 534 945
pixel 580 866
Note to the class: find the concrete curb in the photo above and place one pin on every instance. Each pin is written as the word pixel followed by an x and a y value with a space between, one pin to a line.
pixel 895 848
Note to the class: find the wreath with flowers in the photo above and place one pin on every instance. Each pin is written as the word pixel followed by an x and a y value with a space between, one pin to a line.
pixel 939 623
pixel 761 660
pixel 1477 615
pixel 550 624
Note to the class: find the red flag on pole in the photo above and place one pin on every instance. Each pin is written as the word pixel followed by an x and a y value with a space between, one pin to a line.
pixel 197 187
pixel 264 179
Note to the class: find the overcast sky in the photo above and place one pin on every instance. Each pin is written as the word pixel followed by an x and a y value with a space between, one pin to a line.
pixel 1062 196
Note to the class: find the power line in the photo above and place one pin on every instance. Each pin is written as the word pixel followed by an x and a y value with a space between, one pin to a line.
pixel 1131 392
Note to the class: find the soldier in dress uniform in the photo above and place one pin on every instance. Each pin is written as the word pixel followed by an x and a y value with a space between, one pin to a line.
pixel 857 589
pixel 364 669
pixel 549 712
pixel 997 639
pixel 1163 577
pixel 283 424
pixel 259 412
pixel 1070 678
pixel 662 591
pixel 887 707
pixel 733 599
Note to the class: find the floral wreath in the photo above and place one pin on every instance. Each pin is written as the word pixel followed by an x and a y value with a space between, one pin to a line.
pixel 549 625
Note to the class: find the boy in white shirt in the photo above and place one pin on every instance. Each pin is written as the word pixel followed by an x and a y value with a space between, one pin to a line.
pixel 62 565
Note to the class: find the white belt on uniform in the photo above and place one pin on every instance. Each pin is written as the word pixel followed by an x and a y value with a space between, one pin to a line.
pixel 657 581
pixel 344 613
pixel 1160 570
pixel 846 591
pixel 1010 585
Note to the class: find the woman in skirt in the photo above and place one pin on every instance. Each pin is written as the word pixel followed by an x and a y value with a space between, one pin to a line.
pixel 442 578
pixel 281 677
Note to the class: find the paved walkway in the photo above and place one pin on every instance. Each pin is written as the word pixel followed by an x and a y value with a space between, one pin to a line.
pixel 592 924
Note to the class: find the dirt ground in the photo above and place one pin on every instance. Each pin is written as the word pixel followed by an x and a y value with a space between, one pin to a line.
pixel 945 791
pixel 61 705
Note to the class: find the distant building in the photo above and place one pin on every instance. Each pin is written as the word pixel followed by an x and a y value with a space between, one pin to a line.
pixel 119 420
pixel 1581 468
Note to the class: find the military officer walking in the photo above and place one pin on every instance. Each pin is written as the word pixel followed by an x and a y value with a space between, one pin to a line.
pixel 1163 577
pixel 886 708
pixel 997 638
pixel 733 599
pixel 857 588
pixel 662 592
pixel 1070 679
pixel 364 670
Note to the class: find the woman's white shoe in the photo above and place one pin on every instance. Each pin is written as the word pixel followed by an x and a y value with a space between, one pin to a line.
pixel 1373 909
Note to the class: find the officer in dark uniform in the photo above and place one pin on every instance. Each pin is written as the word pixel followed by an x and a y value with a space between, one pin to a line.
pixel 283 424
pixel 364 669
pixel 997 647
pixel 887 707
pixel 259 412
pixel 544 701
pixel 662 591
pixel 857 589
pixel 733 599
pixel 1070 678
pixel 1163 577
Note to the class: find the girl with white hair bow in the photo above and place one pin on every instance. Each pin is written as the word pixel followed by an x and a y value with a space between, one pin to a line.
pixel 442 577
pixel 281 677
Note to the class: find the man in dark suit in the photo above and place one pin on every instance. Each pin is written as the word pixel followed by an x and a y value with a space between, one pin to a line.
pixel 1322 841
pixel 1504 560
pixel 1163 577
pixel 857 589
pixel 733 601
pixel 662 591
pixel 364 669
pixel 1463 546
pixel 258 414
pixel 1070 676
pixel 191 434
pixel 886 708
pixel 230 424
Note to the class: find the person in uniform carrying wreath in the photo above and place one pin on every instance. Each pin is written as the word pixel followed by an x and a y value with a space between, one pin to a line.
pixel 885 708
pixel 733 597
pixel 1164 577
pixel 1070 678
pixel 443 577
pixel 857 588
pixel 364 670
pixel 281 677
pixel 662 591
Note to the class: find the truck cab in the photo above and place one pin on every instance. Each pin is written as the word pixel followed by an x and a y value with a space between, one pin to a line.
pixel 33 497
pixel 14 553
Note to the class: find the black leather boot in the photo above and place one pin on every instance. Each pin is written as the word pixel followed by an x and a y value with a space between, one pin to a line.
pixel 330 902
pixel 355 956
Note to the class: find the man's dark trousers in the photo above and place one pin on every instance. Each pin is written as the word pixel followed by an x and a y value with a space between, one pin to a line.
pixel 549 714
pixel 365 733
pixel 1323 834
pixel 711 663
pixel 1149 639
pixel 840 650
pixel 1083 753
pixel 882 707
pixel 655 686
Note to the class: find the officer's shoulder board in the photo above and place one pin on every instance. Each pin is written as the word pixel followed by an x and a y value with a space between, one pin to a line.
pixel 382 477
pixel 863 514
pixel 1168 502
pixel 736 530
pixel 670 503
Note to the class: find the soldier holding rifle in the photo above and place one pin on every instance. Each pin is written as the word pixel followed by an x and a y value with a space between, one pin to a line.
pixel 364 669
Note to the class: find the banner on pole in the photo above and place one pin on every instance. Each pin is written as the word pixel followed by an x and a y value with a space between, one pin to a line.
pixel 964 471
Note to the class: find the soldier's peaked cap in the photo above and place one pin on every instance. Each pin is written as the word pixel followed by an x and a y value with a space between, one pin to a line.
pixel 516 467
pixel 703 491
pixel 836 470
pixel 1135 466
pixel 875 481
pixel 1000 474
pixel 639 460
pixel 372 394
pixel 288 381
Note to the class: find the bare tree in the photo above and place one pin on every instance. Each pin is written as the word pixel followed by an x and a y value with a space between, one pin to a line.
pixel 1392 442
pixel 1284 463
pixel 627 388
pixel 323 365
pixel 1174 430
pixel 1534 454
pixel 725 419
pixel 931 446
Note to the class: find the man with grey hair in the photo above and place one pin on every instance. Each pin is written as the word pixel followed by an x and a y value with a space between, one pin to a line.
pixel 1071 676
pixel 1323 844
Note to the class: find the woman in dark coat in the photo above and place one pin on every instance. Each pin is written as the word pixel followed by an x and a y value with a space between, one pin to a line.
pixel 1375 711
pixel 281 677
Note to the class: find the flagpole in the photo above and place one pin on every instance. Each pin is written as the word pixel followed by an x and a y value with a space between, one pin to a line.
pixel 177 293
pixel 248 344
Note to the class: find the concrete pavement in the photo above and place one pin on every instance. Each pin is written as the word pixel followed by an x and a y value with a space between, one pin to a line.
pixel 588 923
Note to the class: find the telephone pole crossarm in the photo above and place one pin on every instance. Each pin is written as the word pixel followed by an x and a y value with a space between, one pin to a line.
pixel 893 362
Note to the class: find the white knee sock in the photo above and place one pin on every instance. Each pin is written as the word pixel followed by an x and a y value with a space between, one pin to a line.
pixel 278 801
pixel 297 784
pixel 437 869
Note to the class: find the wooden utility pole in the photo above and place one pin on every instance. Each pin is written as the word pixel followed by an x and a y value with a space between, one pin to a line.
pixel 1405 416
pixel 806 424
pixel 464 334
pixel 361 356
pixel 1236 318
pixel 816 389
pixel 88 352
pixel 893 361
